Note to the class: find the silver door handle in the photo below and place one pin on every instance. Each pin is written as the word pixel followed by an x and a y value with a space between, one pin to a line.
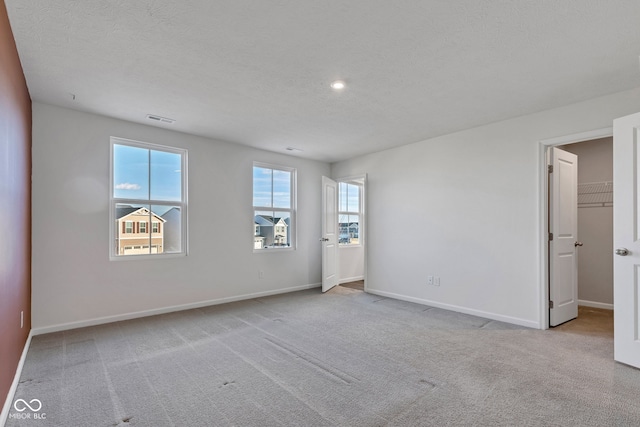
pixel 324 239
pixel 578 244
pixel 622 251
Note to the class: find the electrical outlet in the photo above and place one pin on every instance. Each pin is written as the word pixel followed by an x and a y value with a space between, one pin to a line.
pixel 437 281
pixel 260 274
pixel 430 280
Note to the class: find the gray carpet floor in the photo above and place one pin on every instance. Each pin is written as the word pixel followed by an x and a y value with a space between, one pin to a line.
pixel 345 358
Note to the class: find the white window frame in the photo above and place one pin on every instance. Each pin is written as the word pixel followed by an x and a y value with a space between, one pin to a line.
pixel 292 231
pixel 113 202
pixel 359 214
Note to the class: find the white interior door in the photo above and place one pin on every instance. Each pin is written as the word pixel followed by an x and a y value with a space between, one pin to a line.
pixel 329 237
pixel 626 239
pixel 563 229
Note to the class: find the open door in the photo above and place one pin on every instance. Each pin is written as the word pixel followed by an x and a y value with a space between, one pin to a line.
pixel 626 240
pixel 329 237
pixel 563 233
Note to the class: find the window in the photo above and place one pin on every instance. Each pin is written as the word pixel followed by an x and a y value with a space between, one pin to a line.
pixel 349 208
pixel 148 186
pixel 273 207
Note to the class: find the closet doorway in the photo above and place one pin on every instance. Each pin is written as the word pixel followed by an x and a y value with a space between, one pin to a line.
pixel 595 221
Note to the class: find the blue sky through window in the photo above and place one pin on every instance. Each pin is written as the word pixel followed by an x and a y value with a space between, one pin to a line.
pixel 271 188
pixel 143 174
pixel 349 198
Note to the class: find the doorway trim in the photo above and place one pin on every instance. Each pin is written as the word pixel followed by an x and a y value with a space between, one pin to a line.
pixel 543 181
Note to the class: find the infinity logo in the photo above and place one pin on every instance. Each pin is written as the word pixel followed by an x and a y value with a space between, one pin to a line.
pixel 26 405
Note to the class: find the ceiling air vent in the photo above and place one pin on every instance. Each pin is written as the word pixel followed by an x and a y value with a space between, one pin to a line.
pixel 160 118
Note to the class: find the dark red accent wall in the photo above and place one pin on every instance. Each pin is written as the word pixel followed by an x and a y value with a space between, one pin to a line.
pixel 15 206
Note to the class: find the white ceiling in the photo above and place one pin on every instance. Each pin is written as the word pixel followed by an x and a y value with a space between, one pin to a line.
pixel 257 72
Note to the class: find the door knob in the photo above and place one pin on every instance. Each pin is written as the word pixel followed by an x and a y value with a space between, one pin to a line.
pixel 578 244
pixel 622 251
pixel 324 239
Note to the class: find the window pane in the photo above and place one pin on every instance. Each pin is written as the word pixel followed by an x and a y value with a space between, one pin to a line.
pixel 166 229
pixel 354 229
pixel 342 206
pixel 349 229
pixel 130 172
pixel 353 198
pixel 262 185
pixel 343 223
pixel 166 176
pixel 263 229
pixel 131 231
pixel 272 229
pixel 281 189
pixel 282 225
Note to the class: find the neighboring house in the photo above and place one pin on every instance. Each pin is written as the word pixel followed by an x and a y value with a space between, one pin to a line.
pixel 258 240
pixel 270 231
pixel 349 232
pixel 172 230
pixel 135 235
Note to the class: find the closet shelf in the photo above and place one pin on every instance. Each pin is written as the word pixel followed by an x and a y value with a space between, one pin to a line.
pixel 595 194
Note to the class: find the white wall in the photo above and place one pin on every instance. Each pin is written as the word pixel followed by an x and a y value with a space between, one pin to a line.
pixel 595 225
pixel 466 207
pixel 351 263
pixel 73 279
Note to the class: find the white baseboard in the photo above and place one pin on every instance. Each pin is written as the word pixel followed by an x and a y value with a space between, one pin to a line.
pixel 350 279
pixel 14 385
pixel 595 304
pixel 459 309
pixel 163 310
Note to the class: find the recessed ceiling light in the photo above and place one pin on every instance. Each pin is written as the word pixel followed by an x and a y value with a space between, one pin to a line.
pixel 160 119
pixel 338 85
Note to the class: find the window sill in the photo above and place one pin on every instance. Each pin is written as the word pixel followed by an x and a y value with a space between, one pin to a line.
pixel 272 250
pixel 144 257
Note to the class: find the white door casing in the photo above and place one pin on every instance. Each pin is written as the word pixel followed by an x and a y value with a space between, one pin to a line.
pixel 563 225
pixel 329 239
pixel 626 239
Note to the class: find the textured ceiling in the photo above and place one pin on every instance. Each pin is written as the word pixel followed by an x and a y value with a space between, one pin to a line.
pixel 258 72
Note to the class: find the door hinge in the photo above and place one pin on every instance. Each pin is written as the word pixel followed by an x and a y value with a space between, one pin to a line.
pixel 550 168
pixel 550 304
pixel 550 236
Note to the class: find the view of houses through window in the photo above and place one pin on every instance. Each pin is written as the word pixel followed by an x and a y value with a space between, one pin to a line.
pixel 349 208
pixel 133 236
pixel 273 206
pixel 148 199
